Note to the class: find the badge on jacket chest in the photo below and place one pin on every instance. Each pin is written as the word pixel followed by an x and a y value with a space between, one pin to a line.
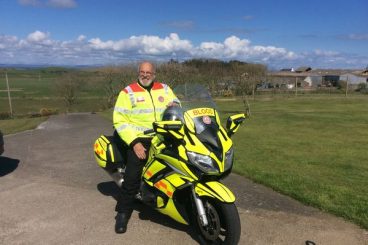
pixel 161 99
pixel 140 99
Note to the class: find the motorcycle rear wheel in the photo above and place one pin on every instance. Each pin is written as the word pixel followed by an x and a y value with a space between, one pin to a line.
pixel 223 223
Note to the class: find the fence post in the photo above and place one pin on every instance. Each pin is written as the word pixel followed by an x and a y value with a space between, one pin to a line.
pixel 347 86
pixel 10 104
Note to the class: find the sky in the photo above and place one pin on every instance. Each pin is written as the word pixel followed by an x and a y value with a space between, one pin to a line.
pixel 279 34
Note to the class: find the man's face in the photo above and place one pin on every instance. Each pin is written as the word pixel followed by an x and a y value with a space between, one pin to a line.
pixel 146 74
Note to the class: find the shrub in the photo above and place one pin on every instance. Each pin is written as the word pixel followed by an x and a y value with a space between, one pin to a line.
pixel 45 112
pixel 4 115
pixel 362 87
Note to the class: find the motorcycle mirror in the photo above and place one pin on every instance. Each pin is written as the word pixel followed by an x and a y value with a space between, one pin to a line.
pixel 172 129
pixel 233 123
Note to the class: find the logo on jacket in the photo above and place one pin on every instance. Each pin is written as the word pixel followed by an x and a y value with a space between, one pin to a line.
pixel 140 99
pixel 161 99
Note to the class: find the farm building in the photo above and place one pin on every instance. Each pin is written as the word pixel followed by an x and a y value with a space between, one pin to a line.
pixel 314 80
pixel 288 78
pixel 353 78
pixel 305 77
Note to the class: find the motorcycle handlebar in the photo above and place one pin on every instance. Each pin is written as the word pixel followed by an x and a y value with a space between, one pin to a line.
pixel 149 131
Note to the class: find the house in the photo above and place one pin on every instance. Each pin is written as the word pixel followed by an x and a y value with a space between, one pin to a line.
pixel 288 78
pixel 313 80
pixel 307 78
pixel 365 72
pixel 288 69
pixel 330 80
pixel 354 79
pixel 303 69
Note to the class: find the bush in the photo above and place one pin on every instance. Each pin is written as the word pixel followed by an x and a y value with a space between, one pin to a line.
pixel 4 115
pixel 44 112
pixel 362 87
pixel 33 115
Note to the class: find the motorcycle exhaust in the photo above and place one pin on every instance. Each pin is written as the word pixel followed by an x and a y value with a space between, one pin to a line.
pixel 117 175
pixel 200 209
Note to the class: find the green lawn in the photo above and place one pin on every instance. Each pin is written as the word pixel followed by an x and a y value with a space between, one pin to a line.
pixel 313 148
pixel 34 89
pixel 12 126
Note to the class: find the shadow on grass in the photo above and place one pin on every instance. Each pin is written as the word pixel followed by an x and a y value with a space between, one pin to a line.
pixel 146 212
pixel 7 165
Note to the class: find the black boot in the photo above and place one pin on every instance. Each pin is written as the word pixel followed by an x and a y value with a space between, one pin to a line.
pixel 121 222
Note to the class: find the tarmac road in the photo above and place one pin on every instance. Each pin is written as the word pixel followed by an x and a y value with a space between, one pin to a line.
pixel 53 192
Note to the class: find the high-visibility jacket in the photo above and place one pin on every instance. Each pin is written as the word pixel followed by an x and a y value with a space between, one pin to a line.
pixel 137 108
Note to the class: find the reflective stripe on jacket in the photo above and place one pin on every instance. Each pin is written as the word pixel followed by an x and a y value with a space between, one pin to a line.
pixel 137 108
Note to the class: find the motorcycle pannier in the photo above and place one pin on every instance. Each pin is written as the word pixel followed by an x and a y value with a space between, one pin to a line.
pixel 107 153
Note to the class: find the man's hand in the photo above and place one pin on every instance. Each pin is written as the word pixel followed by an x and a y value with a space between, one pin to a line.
pixel 172 103
pixel 140 151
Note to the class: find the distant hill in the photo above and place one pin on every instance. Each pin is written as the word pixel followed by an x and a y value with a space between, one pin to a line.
pixel 33 66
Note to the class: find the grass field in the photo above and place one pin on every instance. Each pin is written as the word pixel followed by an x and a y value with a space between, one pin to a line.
pixel 34 89
pixel 12 126
pixel 313 148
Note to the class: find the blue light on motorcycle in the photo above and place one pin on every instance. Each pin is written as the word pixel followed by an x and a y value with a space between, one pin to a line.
pixel 229 159
pixel 204 163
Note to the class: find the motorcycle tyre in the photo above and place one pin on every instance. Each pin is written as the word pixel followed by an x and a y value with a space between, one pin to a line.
pixel 229 221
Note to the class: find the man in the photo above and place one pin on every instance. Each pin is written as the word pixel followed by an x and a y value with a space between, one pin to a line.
pixel 137 107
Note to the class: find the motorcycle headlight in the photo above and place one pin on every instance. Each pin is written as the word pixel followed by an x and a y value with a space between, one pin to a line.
pixel 229 159
pixel 204 163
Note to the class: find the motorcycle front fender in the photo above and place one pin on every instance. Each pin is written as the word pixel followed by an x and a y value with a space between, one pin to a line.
pixel 215 190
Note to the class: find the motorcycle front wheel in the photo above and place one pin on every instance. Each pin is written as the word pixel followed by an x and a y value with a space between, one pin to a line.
pixel 223 223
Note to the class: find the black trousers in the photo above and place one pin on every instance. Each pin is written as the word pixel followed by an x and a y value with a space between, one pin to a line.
pixel 132 177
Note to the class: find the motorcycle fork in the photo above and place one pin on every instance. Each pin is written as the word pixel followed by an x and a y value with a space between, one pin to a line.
pixel 200 208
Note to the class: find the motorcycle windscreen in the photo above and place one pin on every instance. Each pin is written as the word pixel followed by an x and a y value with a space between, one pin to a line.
pixel 206 129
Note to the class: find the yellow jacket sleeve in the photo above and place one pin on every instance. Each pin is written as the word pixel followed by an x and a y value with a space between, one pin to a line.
pixel 122 124
pixel 173 96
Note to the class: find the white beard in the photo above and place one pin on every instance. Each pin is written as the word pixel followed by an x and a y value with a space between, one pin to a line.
pixel 148 83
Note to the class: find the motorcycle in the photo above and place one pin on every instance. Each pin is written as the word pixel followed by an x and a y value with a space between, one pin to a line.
pixel 189 155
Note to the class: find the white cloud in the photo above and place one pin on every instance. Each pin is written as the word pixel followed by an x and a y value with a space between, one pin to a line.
pixel 355 37
pixel 37 36
pixel 145 45
pixel 29 2
pixel 38 47
pixel 62 4
pixel 81 38
pixel 236 48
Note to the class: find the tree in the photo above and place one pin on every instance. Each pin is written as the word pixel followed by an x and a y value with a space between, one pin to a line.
pixel 247 77
pixel 115 79
pixel 68 87
pixel 110 89
pixel 175 74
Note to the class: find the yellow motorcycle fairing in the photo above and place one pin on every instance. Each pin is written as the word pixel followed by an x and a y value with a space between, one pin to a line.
pixel 167 186
pixel 170 210
pixel 215 190
pixel 175 181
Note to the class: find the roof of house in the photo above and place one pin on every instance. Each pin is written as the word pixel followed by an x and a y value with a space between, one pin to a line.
pixel 303 69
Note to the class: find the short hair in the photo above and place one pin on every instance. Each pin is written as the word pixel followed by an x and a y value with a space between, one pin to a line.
pixel 153 66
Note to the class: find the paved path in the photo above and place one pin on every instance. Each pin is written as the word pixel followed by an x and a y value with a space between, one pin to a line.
pixel 53 192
